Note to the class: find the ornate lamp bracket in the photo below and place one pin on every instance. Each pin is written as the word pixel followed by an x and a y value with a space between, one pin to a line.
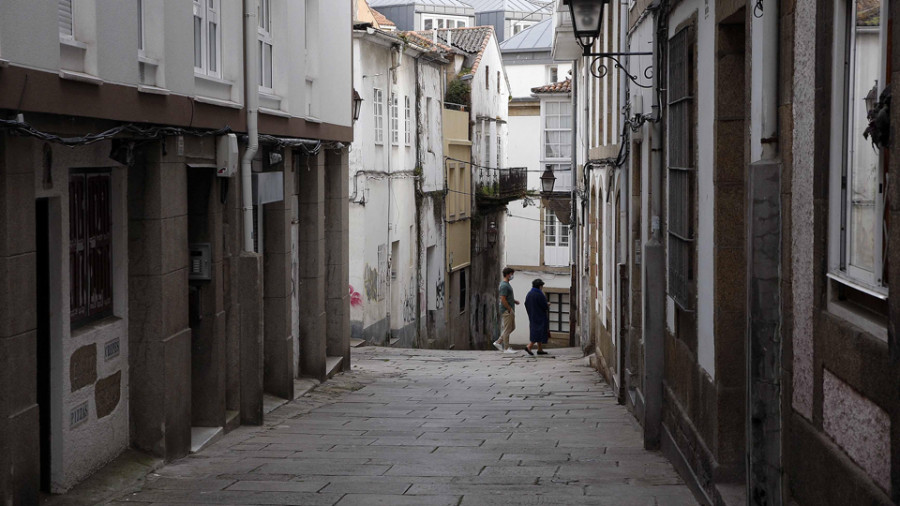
pixel 600 69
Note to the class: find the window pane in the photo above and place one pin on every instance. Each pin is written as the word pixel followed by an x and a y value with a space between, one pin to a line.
pixel 864 174
pixel 428 24
pixel 213 50
pixel 198 42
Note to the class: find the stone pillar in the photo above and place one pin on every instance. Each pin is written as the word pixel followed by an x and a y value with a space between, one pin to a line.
pixel 279 345
pixel 159 333
pixel 251 350
pixel 337 239
pixel 19 420
pixel 311 271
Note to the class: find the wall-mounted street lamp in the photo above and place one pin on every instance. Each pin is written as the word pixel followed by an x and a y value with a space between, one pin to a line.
pixel 547 181
pixel 357 104
pixel 587 23
pixel 492 234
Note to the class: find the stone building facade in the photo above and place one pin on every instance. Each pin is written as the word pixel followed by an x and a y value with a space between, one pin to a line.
pixel 133 314
pixel 758 345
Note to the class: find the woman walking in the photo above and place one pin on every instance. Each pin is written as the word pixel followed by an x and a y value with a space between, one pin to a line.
pixel 538 317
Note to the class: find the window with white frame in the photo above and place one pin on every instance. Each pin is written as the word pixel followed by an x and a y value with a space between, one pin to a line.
pixel 407 114
pixel 557 130
pixel 65 18
pixel 430 22
pixel 378 103
pixel 555 233
pixel 264 15
pixel 556 153
pixel 518 26
pixel 207 39
pixel 858 263
pixel 395 120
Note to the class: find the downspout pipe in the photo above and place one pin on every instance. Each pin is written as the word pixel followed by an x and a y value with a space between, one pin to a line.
pixel 251 92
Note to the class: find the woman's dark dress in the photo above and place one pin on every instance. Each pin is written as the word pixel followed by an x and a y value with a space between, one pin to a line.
pixel 538 318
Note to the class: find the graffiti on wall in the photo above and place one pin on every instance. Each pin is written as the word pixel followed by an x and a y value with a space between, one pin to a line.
pixel 439 294
pixel 355 298
pixel 371 284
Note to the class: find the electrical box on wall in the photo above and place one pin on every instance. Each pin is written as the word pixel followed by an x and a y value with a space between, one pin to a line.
pixel 200 262
pixel 226 155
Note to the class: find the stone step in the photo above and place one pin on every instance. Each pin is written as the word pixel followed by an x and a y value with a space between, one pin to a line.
pixel 303 386
pixel 333 365
pixel 232 420
pixel 356 343
pixel 201 437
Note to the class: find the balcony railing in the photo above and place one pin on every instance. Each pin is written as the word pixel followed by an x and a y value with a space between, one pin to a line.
pixel 503 185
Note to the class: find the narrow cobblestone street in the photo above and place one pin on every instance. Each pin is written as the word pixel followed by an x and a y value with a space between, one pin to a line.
pixel 424 427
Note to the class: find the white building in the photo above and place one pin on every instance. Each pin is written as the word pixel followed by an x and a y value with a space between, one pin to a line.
pixel 397 234
pixel 426 14
pixel 537 243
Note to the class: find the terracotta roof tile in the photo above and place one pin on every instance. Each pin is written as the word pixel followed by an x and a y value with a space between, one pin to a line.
pixel 381 19
pixel 560 87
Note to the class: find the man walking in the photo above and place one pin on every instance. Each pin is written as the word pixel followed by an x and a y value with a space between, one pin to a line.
pixel 537 306
pixel 507 311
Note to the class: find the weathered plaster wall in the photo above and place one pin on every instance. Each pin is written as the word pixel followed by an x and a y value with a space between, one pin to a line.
pixel 80 373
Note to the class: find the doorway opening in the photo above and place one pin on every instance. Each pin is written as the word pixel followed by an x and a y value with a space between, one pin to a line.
pixel 42 269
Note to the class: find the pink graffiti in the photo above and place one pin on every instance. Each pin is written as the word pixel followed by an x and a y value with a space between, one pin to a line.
pixel 355 298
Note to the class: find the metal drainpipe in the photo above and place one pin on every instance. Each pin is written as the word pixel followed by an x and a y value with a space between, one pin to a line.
pixel 251 92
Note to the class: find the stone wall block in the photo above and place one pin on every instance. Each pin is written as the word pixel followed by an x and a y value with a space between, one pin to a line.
pixel 175 301
pixel 17 373
pixel 177 407
pixel 20 458
pixel 144 244
pixel 729 213
pixel 277 222
pixel 207 368
pixel 730 279
pixel 277 274
pixel 173 189
pixel 17 294
pixel 83 367
pixel 251 348
pixel 17 214
pixel 107 394
pixel 174 243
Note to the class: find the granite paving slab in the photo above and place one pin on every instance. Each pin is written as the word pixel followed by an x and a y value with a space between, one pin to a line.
pixel 432 427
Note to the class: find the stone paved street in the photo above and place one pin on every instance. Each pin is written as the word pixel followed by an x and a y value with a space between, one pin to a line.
pixel 424 427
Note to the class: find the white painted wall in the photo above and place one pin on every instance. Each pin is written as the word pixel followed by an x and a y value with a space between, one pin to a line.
pixel 107 29
pixel 383 184
pixel 524 77
pixel 76 452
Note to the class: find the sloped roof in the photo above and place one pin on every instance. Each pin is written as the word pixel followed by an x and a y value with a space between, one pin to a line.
pixel 538 37
pixel 560 87
pixel 446 3
pixel 424 39
pixel 471 39
pixel 510 5
pixel 381 19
